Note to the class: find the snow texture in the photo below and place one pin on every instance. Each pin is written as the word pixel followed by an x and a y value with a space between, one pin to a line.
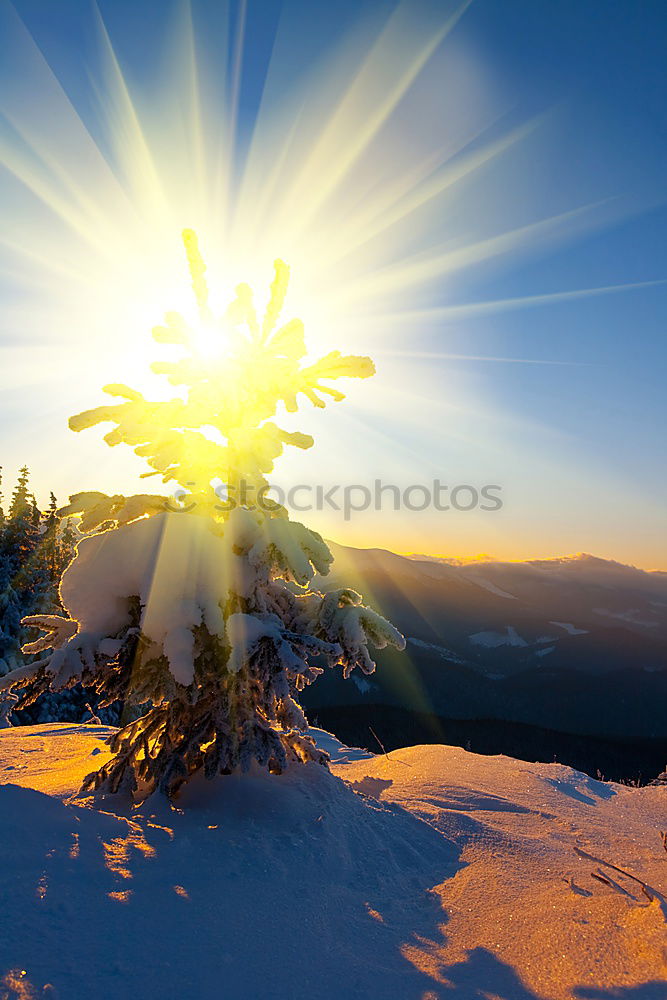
pixel 183 571
pixel 570 628
pixel 211 625
pixel 361 684
pixel 442 651
pixel 426 874
pixel 634 616
pixel 510 637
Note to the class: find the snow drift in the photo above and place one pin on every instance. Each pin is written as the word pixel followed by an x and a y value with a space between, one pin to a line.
pixel 430 873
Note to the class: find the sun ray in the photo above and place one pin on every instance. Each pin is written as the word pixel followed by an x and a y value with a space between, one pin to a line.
pixel 447 356
pixel 439 262
pixel 95 201
pixel 472 309
pixel 412 193
pixel 132 148
pixel 360 121
pixel 192 89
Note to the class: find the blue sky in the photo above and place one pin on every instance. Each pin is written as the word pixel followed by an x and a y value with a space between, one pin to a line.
pixel 576 436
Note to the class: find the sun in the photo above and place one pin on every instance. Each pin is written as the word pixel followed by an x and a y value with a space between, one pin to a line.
pixel 377 230
pixel 211 340
pixel 220 426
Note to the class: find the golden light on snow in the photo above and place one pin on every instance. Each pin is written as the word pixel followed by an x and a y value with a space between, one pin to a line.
pixel 497 897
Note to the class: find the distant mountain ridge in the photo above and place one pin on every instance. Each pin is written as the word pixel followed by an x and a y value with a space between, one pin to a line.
pixel 575 557
pixel 576 644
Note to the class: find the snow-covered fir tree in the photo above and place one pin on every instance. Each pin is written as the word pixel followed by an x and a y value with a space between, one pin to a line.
pixel 34 551
pixel 203 609
pixel 21 583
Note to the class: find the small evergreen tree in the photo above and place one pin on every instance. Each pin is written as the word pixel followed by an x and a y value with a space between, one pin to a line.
pixel 204 609
pixel 22 581
pixel 11 616
pixel 21 532
pixel 50 537
pixel 31 565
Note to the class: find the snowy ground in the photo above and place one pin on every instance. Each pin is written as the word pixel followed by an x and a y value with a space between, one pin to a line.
pixel 430 873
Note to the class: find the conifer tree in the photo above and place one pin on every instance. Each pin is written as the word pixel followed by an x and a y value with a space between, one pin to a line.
pixel 21 531
pixel 204 609
pixel 50 541
pixel 22 584
pixel 34 551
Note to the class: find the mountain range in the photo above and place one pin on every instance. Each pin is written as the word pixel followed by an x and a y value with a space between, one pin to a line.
pixel 574 645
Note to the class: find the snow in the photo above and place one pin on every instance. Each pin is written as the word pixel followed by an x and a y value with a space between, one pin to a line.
pixel 183 569
pixel 176 566
pixel 362 685
pixel 633 616
pixel 570 629
pixel 442 651
pixel 429 873
pixel 337 750
pixel 510 637
pixel 244 633
pixel 544 652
